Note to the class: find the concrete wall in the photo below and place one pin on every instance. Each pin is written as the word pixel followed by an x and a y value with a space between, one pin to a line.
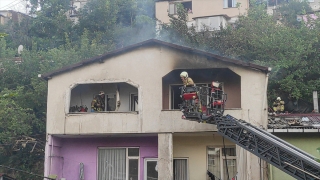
pixel 67 153
pixel 194 148
pixel 307 142
pixel 144 69
pixel 202 8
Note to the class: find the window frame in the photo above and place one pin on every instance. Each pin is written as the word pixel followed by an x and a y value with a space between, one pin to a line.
pixel 127 159
pixel 174 4
pixel 222 158
pixel 187 160
pixel 226 4
pixel 145 166
pixel 131 101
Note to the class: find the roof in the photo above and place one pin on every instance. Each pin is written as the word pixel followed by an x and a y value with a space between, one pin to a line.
pixel 154 42
pixel 294 123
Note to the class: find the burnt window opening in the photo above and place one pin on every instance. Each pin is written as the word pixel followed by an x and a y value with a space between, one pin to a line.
pixel 103 97
pixel 171 82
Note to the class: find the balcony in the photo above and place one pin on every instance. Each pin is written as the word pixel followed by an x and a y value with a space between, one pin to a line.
pixel 117 97
pixel 202 77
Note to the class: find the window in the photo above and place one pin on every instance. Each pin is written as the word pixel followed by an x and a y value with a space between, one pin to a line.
pixel 229 3
pixel 217 162
pixel 133 102
pixel 180 169
pixel 187 6
pixel 118 163
pixel 151 169
pixel 111 102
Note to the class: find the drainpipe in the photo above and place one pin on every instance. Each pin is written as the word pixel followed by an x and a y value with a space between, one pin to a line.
pixel 315 102
pixel 265 94
pixel 51 153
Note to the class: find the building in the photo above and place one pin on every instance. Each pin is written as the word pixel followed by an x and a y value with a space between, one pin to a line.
pixel 212 14
pixel 145 136
pixel 300 130
pixel 6 15
pixel 75 6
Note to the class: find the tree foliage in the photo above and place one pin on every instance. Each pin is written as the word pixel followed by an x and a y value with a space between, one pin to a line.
pixel 291 49
pixel 51 41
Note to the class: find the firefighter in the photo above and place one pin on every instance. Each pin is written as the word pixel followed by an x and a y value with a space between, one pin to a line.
pixel 278 105
pixel 187 81
pixel 98 102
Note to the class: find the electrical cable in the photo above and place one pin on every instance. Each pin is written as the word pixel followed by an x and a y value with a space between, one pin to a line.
pixel 9 4
pixel 225 155
pixel 26 172
pixel 8 7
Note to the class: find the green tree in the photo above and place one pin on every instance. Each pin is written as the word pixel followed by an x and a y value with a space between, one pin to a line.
pixel 2 35
pixel 289 11
pixel 291 51
pixel 49 26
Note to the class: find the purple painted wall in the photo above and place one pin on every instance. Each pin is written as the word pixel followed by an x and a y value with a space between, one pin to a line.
pixel 66 158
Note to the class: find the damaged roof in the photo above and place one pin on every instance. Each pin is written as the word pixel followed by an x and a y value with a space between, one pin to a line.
pixel 294 123
pixel 154 42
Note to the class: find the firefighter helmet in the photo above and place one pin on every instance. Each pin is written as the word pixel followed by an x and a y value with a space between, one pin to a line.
pixel 184 74
pixel 278 99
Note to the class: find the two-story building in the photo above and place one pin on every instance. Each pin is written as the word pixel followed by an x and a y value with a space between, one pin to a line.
pixel 145 138
pixel 213 14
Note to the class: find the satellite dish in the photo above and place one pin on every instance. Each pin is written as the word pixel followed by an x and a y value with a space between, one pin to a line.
pixel 20 49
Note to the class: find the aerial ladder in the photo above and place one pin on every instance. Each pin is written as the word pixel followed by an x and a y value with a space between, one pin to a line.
pixel 259 142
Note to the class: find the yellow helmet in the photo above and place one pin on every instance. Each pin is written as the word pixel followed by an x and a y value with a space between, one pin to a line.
pixel 184 74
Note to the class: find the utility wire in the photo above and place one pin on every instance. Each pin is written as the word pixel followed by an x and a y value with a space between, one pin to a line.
pixel 9 7
pixel 26 172
pixel 9 4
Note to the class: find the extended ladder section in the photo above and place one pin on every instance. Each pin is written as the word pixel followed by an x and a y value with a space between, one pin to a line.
pixel 268 147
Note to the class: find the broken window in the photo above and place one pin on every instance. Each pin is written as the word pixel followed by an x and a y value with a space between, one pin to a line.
pixel 217 159
pixel 103 97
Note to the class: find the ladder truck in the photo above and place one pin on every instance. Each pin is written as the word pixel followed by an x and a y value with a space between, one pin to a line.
pixel 206 104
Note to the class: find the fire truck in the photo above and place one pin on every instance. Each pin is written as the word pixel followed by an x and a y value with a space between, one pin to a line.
pixel 206 105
